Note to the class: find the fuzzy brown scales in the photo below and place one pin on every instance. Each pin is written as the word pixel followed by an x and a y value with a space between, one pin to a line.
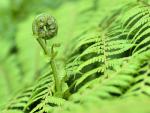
pixel 44 26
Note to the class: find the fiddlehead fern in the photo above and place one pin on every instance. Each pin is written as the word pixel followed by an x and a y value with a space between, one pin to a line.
pixel 45 27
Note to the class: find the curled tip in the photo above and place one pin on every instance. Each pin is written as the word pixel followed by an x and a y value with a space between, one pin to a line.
pixel 45 26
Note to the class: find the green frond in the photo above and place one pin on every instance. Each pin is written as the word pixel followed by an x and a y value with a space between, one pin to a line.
pixel 130 80
pixel 20 101
pixel 138 26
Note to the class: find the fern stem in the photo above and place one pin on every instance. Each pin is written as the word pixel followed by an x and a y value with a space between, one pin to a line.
pixel 43 46
pixel 104 52
pixel 56 79
pixel 52 55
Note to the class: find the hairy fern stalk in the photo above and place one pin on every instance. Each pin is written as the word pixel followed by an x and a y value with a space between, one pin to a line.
pixel 103 60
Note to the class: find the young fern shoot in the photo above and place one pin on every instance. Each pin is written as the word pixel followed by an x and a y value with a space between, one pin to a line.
pixel 44 28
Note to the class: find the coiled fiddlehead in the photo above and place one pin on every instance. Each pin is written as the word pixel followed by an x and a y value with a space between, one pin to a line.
pixel 45 26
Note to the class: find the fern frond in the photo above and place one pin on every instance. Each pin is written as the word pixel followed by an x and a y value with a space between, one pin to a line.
pixel 138 25
pixel 42 90
pixel 130 80
pixel 20 101
pixel 100 52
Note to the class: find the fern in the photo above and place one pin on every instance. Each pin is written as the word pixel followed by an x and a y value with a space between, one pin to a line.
pixel 102 50
pixel 122 83
pixel 138 27
pixel 19 102
pixel 104 58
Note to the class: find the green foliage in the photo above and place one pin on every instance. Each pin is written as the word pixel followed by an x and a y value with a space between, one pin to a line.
pixel 103 60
